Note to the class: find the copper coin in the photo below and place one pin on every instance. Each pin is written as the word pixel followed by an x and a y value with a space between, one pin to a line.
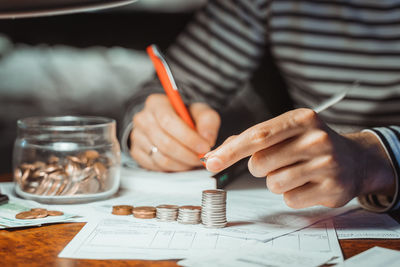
pixel 145 209
pixel 91 154
pixel 39 164
pixel 27 166
pixel 53 159
pixel 100 169
pixel 40 214
pixel 55 213
pixel 74 159
pixel 144 212
pixel 25 175
pixel 38 209
pixel 122 210
pixel 51 168
pixel 25 215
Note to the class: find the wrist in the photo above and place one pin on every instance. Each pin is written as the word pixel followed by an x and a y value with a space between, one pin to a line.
pixel 374 165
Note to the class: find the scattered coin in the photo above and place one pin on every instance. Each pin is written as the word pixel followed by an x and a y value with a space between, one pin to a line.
pixel 189 214
pixel 213 212
pixel 37 213
pixel 40 214
pixel 122 210
pixel 55 213
pixel 144 212
pixel 167 213
pixel 38 209
pixel 25 215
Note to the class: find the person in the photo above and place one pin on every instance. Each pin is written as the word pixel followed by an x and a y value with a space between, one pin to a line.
pixel 320 47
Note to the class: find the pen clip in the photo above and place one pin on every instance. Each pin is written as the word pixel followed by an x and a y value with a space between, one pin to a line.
pixel 153 50
pixel 167 80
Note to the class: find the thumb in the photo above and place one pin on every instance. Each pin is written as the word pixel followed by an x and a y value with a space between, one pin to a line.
pixel 207 121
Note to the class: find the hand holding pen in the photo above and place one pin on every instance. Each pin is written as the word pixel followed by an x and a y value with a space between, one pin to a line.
pixel 163 139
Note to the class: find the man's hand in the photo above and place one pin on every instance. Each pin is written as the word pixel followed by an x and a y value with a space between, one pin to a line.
pixel 158 125
pixel 307 162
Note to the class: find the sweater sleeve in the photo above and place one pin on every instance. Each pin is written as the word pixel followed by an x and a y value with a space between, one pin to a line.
pixel 390 140
pixel 213 57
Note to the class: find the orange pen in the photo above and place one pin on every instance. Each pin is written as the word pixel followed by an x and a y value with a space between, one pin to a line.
pixel 168 82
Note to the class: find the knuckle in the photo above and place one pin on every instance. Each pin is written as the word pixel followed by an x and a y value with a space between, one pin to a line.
pixel 321 138
pixel 330 162
pixel 332 186
pixel 165 120
pixel 151 99
pixel 138 118
pixel 167 145
pixel 305 116
pixel 259 135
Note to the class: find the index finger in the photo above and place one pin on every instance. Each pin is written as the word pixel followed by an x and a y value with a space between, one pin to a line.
pixel 259 137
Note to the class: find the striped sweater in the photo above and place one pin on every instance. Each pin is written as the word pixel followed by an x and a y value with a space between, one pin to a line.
pixel 319 47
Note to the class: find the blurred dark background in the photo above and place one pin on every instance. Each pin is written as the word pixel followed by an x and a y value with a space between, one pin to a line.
pixel 89 64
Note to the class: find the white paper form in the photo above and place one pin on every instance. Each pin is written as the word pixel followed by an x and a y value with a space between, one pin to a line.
pixel 129 238
pixel 267 210
pixel 319 238
pixel 255 255
pixel 373 257
pixel 312 246
pixel 123 238
pixel 360 224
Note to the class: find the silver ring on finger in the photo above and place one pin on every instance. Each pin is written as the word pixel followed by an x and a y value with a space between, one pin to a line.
pixel 153 150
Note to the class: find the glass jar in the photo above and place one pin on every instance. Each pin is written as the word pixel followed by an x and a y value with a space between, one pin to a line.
pixel 66 159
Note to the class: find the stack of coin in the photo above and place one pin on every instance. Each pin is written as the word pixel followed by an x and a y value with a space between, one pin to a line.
pixel 37 213
pixel 213 212
pixel 122 210
pixel 189 214
pixel 145 212
pixel 84 173
pixel 167 213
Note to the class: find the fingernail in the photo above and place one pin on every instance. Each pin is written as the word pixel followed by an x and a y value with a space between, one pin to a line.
pixel 202 148
pixel 214 164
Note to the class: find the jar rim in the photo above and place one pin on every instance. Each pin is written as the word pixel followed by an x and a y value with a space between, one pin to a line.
pixel 65 123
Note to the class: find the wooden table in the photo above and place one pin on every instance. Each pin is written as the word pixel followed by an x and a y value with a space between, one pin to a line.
pixel 40 246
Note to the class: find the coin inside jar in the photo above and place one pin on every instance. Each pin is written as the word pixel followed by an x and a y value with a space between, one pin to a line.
pixel 122 210
pixel 144 212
